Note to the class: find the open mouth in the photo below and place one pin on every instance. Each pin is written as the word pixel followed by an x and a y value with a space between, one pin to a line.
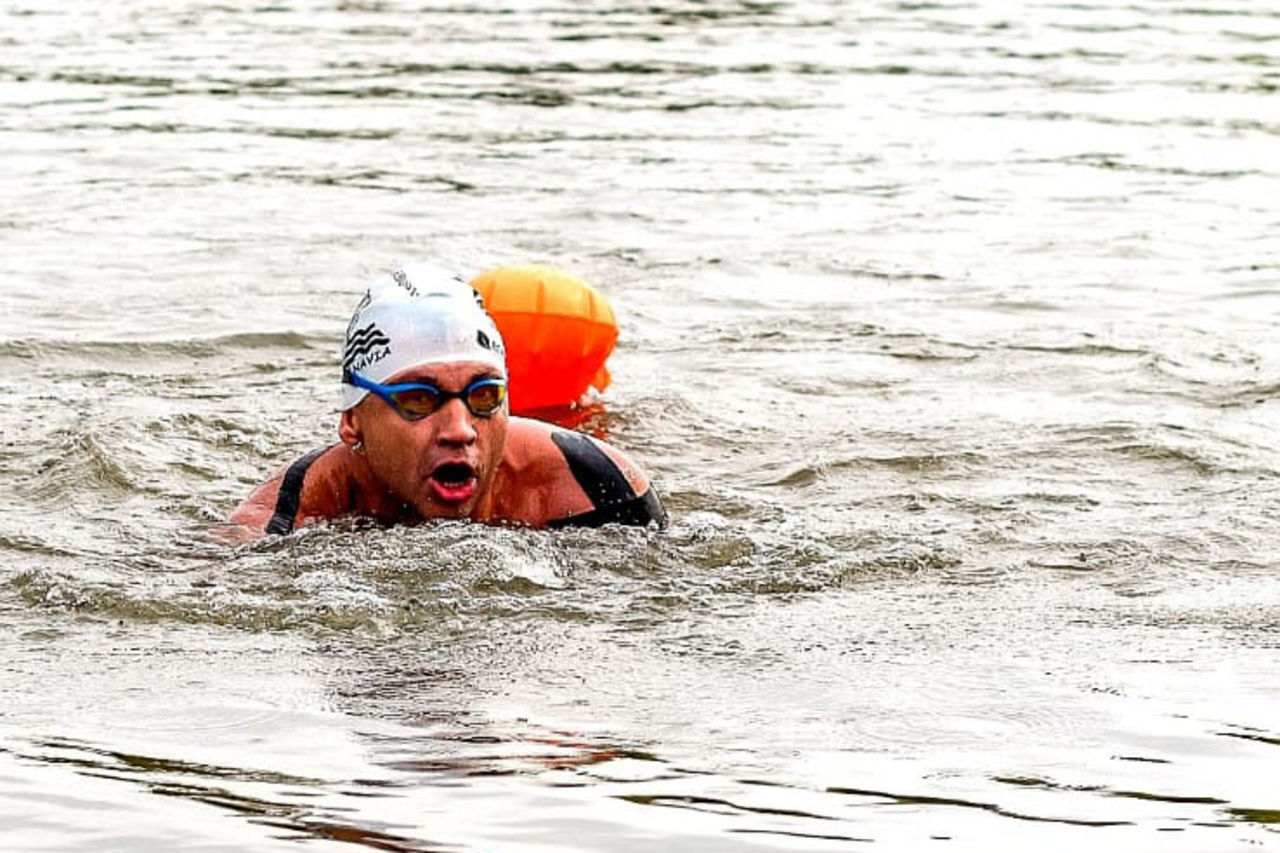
pixel 453 482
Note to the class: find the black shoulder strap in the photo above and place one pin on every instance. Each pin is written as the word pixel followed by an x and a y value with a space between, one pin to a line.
pixel 610 492
pixel 637 512
pixel 593 469
pixel 290 495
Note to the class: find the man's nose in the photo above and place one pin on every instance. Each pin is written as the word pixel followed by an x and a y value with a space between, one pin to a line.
pixel 454 423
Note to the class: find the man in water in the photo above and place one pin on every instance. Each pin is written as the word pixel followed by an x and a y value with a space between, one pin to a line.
pixel 426 433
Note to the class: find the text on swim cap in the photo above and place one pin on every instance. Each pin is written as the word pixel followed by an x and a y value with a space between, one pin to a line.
pixel 355 316
pixel 487 342
pixel 401 278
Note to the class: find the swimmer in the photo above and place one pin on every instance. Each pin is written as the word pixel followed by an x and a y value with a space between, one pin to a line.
pixel 425 431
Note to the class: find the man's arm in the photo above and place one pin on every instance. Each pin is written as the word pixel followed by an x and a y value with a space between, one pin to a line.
pixel 249 521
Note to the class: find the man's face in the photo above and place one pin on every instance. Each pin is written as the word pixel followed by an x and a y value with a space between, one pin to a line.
pixel 444 464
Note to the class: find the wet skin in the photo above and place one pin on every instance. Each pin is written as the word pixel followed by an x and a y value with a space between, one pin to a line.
pixel 450 464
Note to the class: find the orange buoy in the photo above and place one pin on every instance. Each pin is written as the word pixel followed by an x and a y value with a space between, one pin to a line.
pixel 558 331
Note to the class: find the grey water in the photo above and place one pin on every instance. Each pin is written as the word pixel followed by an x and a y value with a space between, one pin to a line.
pixel 949 332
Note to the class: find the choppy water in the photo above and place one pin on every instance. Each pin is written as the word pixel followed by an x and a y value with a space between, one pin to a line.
pixel 949 332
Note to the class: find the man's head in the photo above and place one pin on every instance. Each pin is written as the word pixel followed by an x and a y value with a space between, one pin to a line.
pixel 417 314
pixel 423 390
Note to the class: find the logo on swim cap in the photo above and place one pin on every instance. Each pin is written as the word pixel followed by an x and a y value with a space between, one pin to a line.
pixel 367 346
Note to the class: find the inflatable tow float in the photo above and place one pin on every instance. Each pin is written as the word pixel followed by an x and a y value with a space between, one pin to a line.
pixel 558 331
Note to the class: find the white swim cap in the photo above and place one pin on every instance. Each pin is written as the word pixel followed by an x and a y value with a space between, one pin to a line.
pixel 418 314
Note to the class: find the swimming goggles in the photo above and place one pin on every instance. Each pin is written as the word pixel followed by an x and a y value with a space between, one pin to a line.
pixel 414 401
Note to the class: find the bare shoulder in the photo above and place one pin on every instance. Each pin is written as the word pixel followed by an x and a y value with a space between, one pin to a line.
pixel 556 476
pixel 541 449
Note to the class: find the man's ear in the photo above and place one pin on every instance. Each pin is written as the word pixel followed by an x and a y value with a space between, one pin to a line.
pixel 349 428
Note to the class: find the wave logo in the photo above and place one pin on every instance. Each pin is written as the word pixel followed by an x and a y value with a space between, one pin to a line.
pixel 366 346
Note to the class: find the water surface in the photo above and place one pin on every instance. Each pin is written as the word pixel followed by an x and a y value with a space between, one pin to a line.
pixel 948 333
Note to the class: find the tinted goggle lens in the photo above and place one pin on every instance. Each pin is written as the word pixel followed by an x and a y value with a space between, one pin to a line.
pixel 482 398
pixel 485 398
pixel 416 403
